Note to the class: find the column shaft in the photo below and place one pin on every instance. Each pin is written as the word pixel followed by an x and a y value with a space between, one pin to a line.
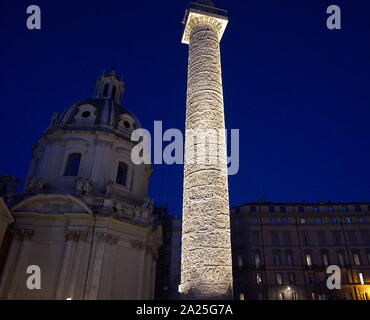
pixel 206 268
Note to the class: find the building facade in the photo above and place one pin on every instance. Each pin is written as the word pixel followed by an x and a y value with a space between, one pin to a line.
pixel 84 218
pixel 168 266
pixel 282 250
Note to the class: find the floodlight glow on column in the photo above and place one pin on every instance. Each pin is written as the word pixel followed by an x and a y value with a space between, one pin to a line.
pixel 206 266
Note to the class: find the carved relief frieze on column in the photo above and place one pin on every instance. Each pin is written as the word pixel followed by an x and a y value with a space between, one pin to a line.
pixel 206 262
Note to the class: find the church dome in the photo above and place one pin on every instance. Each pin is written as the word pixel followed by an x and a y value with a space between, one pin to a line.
pixel 102 112
pixel 86 152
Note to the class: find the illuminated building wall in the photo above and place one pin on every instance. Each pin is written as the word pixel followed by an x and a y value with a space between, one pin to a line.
pixel 282 250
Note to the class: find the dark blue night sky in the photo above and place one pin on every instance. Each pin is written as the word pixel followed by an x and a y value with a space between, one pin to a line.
pixel 299 93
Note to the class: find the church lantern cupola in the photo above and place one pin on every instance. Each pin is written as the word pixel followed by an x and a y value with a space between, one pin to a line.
pixel 109 86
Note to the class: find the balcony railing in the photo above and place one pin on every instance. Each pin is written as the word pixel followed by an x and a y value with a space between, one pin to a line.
pixel 206 8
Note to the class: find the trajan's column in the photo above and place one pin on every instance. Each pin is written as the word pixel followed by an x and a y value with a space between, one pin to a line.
pixel 206 266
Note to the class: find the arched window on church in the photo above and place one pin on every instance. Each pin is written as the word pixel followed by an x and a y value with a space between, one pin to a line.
pixel 114 92
pixel 122 173
pixel 106 89
pixel 73 164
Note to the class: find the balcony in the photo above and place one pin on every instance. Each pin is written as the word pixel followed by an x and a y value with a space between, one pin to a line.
pixel 207 8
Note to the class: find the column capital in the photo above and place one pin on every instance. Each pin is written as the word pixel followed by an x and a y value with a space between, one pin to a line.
pixel 137 244
pixel 107 238
pixel 204 14
pixel 23 234
pixel 149 250
pixel 76 235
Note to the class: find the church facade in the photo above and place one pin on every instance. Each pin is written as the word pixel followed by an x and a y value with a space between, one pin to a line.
pixel 84 218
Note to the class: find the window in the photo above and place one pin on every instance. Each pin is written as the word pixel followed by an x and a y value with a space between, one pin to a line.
pixel 114 92
pixel 127 124
pixel 368 257
pixel 330 209
pixel 277 258
pixel 236 222
pixel 122 173
pixel 325 259
pixel 273 220
pixel 318 220
pixel 289 258
pixel 308 259
pixel 306 239
pixel 352 237
pixel 333 220
pixel 321 238
pixel 361 219
pixel 254 220
pixel 282 209
pixel 365 237
pixel 287 238
pixel 241 296
pixel 356 259
pixel 255 238
pixel 344 209
pixel 345 278
pixel 300 209
pixel 99 203
pixel 106 89
pixel 271 209
pixel 341 259
pixel 259 278
pixel 291 276
pixel 311 278
pixel 315 209
pixel 73 164
pixel 337 238
pixel 240 262
pixel 347 220
pixel 257 259
pixel 361 278
pixel 279 278
pixel 284 220
pixel 253 209
pixel 303 220
pixel 275 238
pixel 358 208
pixel 86 114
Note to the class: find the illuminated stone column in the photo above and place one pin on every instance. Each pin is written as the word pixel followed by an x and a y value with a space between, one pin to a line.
pixel 206 266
